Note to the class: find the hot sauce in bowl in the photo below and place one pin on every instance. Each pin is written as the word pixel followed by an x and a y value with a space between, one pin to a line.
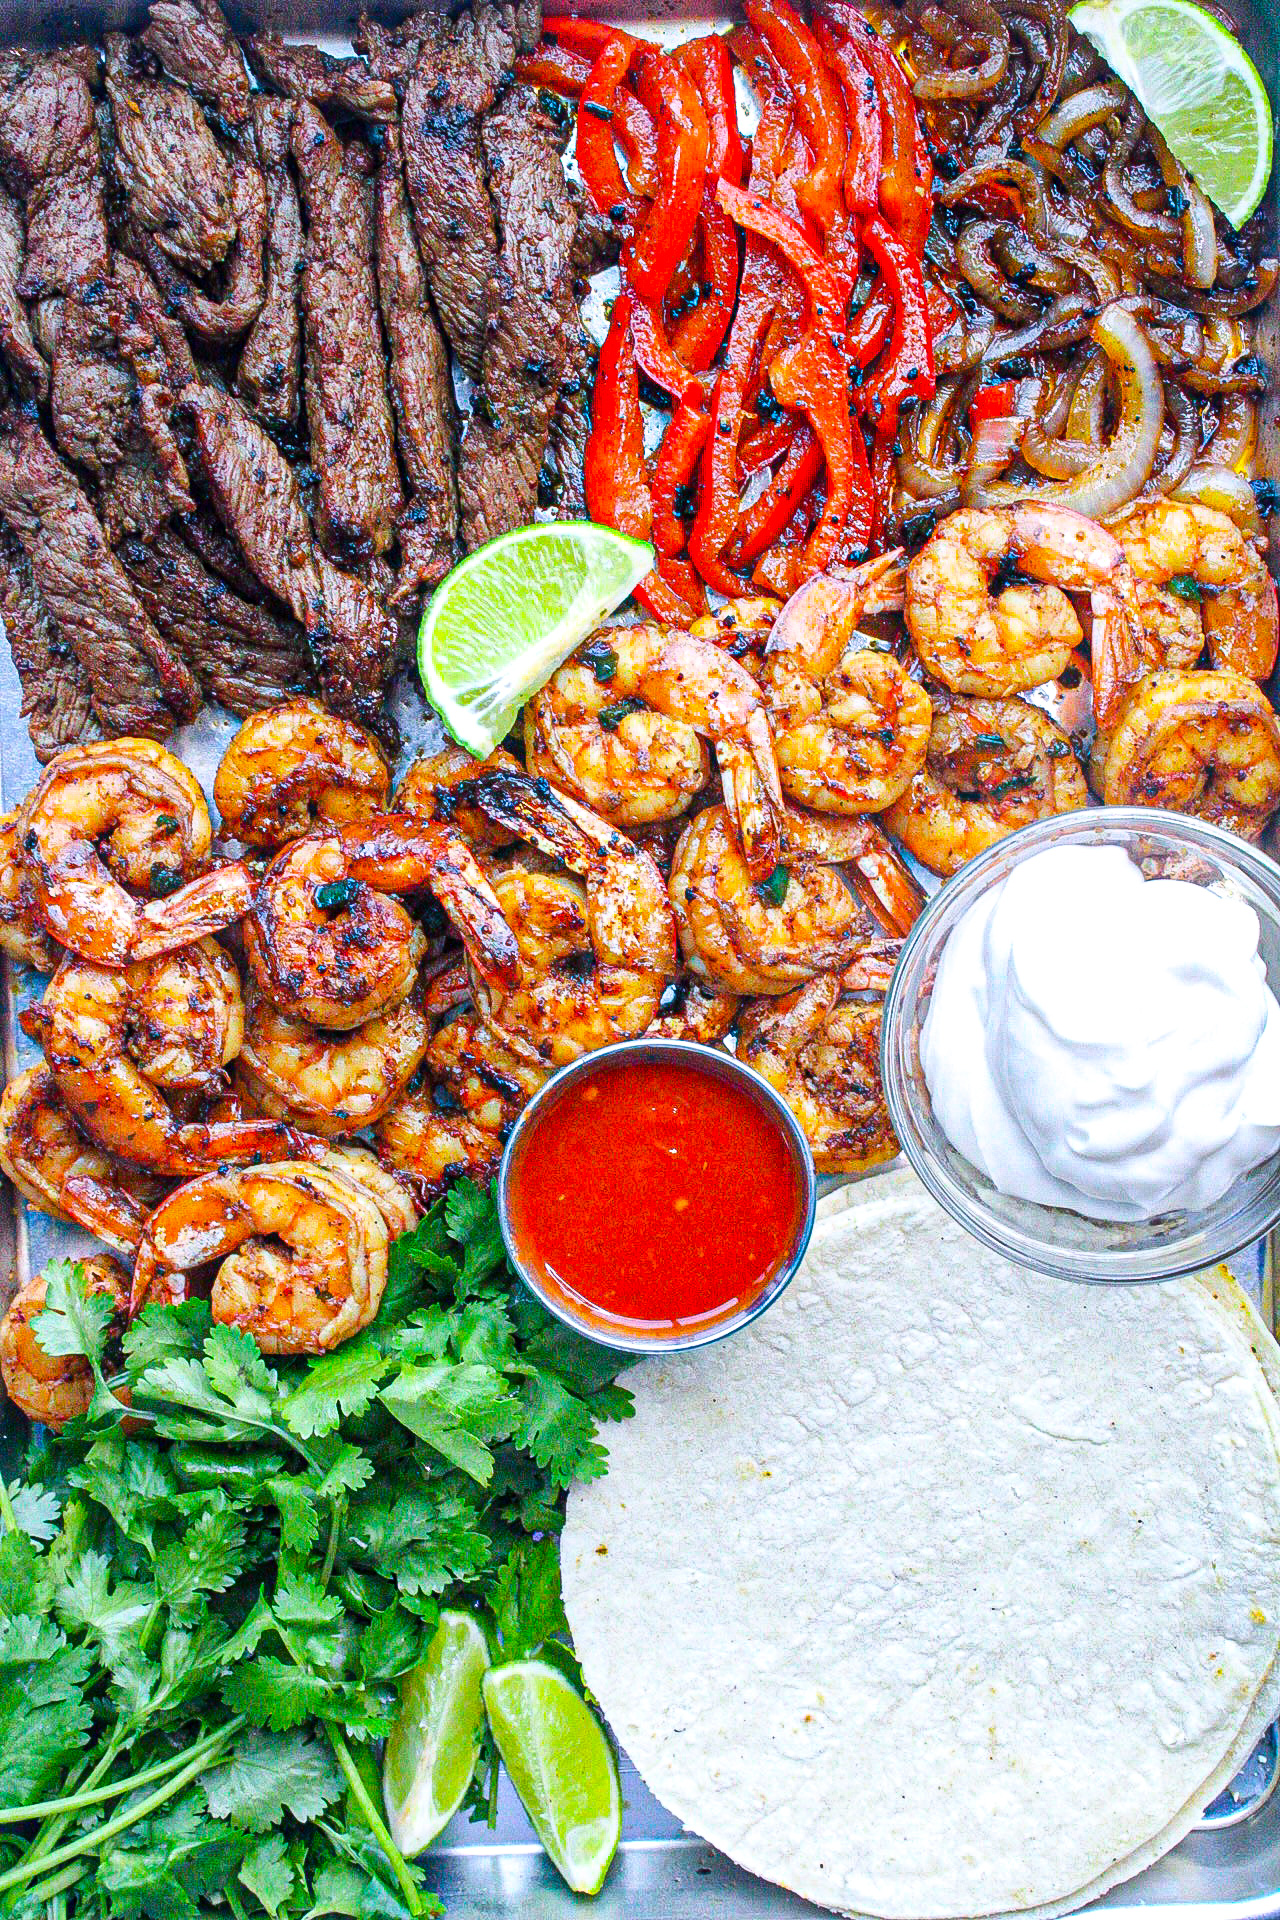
pixel 656 1195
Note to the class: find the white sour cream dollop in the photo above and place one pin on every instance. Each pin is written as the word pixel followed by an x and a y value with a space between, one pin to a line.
pixel 1104 1042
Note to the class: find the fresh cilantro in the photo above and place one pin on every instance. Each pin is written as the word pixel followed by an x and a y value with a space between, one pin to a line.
pixel 269 1874
pixel 268 1774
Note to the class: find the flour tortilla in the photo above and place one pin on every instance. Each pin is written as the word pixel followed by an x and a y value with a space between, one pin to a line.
pixel 945 1590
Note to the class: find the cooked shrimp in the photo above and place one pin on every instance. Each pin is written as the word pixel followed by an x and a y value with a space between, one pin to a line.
pixel 299 1252
pixel 980 628
pixel 691 1009
pixel 428 787
pixel 117 819
pixel 1199 579
pixel 593 959
pixel 394 1196
pixel 433 1145
pixel 595 730
pixel 328 944
pixel 58 1172
pixel 292 767
pixel 119 1040
pixel 53 1388
pixel 21 935
pixel 330 1083
pixel 1205 743
pixel 820 1049
pixel 851 725
pixel 740 628
pixel 859 845
pixel 753 939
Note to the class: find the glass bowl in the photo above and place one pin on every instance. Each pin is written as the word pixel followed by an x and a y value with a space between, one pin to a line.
pixel 1055 1240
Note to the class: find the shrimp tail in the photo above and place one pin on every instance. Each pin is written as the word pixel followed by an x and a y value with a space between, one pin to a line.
pixel 1116 648
pixel 203 906
pixel 197 1147
pixel 753 795
pixel 109 1213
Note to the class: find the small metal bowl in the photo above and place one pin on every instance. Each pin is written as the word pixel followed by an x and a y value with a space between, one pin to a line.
pixel 719 1066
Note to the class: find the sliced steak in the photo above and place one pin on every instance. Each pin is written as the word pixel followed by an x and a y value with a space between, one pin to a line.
pixel 451 73
pixel 270 375
pixel 571 427
pixel 531 310
pixel 213 545
pixel 50 158
pixel 195 46
pixel 56 702
pixel 224 316
pixel 244 656
pixel 344 368
pixel 308 73
pixel 139 685
pixel 421 389
pixel 22 356
pixel 175 180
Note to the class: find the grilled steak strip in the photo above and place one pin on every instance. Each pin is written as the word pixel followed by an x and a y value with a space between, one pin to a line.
pixel 50 158
pixel 451 73
pixel 218 552
pixel 244 656
pixel 194 45
pixel 531 309
pixel 571 426
pixel 56 702
pixel 138 684
pixel 22 356
pixel 270 375
pixel 344 368
pixel 308 73
pixel 175 180
pixel 218 319
pixel 421 389
pixel 255 495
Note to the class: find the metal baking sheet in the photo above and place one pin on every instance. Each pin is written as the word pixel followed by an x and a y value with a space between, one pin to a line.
pixel 1229 1868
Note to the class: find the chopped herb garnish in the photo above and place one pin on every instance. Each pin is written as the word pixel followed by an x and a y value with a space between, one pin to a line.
pixel 602 660
pixel 992 742
pixel 336 893
pixel 774 889
pixel 1185 586
pixel 164 881
pixel 610 718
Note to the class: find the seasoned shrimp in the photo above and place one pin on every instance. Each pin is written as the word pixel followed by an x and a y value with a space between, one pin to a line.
pixel 980 628
pixel 1205 743
pixel 740 628
pixel 330 1083
pixel 691 1009
pixel 851 725
pixel 879 875
pixel 1199 579
pixel 299 1252
pixel 433 1145
pixel 620 726
pixel 53 1388
pixel 119 1040
pixel 593 958
pixel 58 1172
pixel 819 1047
pixel 428 792
pixel 752 939
pixel 394 1196
pixel 992 766
pixel 329 945
pixel 117 819
pixel 21 935
pixel 292 767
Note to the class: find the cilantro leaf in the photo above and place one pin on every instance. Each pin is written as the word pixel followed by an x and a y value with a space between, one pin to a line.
pixel 275 1693
pixel 527 1603
pixel 471 1215
pixel 205 1558
pixel 36 1509
pixel 166 1332
pixel 393 1641
pixel 456 1408
pixel 268 1874
pixel 268 1774
pixel 341 1382
pixel 44 1717
pixel 425 1539
pixel 165 1866
pixel 296 1503
pixel 73 1320
pixel 558 1429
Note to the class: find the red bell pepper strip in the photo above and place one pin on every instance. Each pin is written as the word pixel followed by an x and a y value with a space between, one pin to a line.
pixel 907 368
pixel 819 105
pixel 698 334
pixel 717 514
pixel 680 577
pixel 673 472
pixel 657 359
pixel 810 378
pixel 862 118
pixel 821 282
pixel 764 520
pixel 672 100
pixel 562 70
pixel 709 66
pixel 765 444
pixel 614 477
pixel 586 36
pixel 559 69
pixel 906 169
pixel 597 161
pixel 869 326
pixel 995 402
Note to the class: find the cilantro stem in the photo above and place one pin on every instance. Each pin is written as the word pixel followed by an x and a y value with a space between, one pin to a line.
pixel 7 1513
pixel 336 1516
pixel 377 1825
pixel 53 1828
pixel 50 1890
pixel 97 1837
pixel 94 1796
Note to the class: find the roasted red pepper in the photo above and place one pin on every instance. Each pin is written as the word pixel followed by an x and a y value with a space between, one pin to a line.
pixel 673 474
pixel 907 368
pixel 820 281
pixel 810 378
pixel 597 161
pixel 995 402
pixel 862 119
pixel 906 170
pixel 869 326
pixel 614 477
pixel 718 501
pixel 586 36
pixel 680 578
pixel 707 63
pixel 657 359
pixel 561 69
pixel 819 106
pixel 765 443
pixel 698 334
pixel 764 520
pixel 670 96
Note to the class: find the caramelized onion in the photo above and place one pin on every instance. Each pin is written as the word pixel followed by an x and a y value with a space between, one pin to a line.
pixel 1225 489
pixel 965 83
pixel 1091 107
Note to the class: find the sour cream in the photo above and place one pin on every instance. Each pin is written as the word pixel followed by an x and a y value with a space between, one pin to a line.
pixel 1100 1041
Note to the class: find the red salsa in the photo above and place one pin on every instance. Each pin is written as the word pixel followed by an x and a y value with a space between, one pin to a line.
pixel 655 1195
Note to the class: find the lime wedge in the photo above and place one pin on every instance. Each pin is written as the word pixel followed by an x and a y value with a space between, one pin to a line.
pixel 431 1750
pixel 503 621
pixel 561 1765
pixel 1200 87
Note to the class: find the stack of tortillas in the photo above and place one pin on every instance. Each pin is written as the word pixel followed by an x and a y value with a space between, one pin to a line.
pixel 944 1590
